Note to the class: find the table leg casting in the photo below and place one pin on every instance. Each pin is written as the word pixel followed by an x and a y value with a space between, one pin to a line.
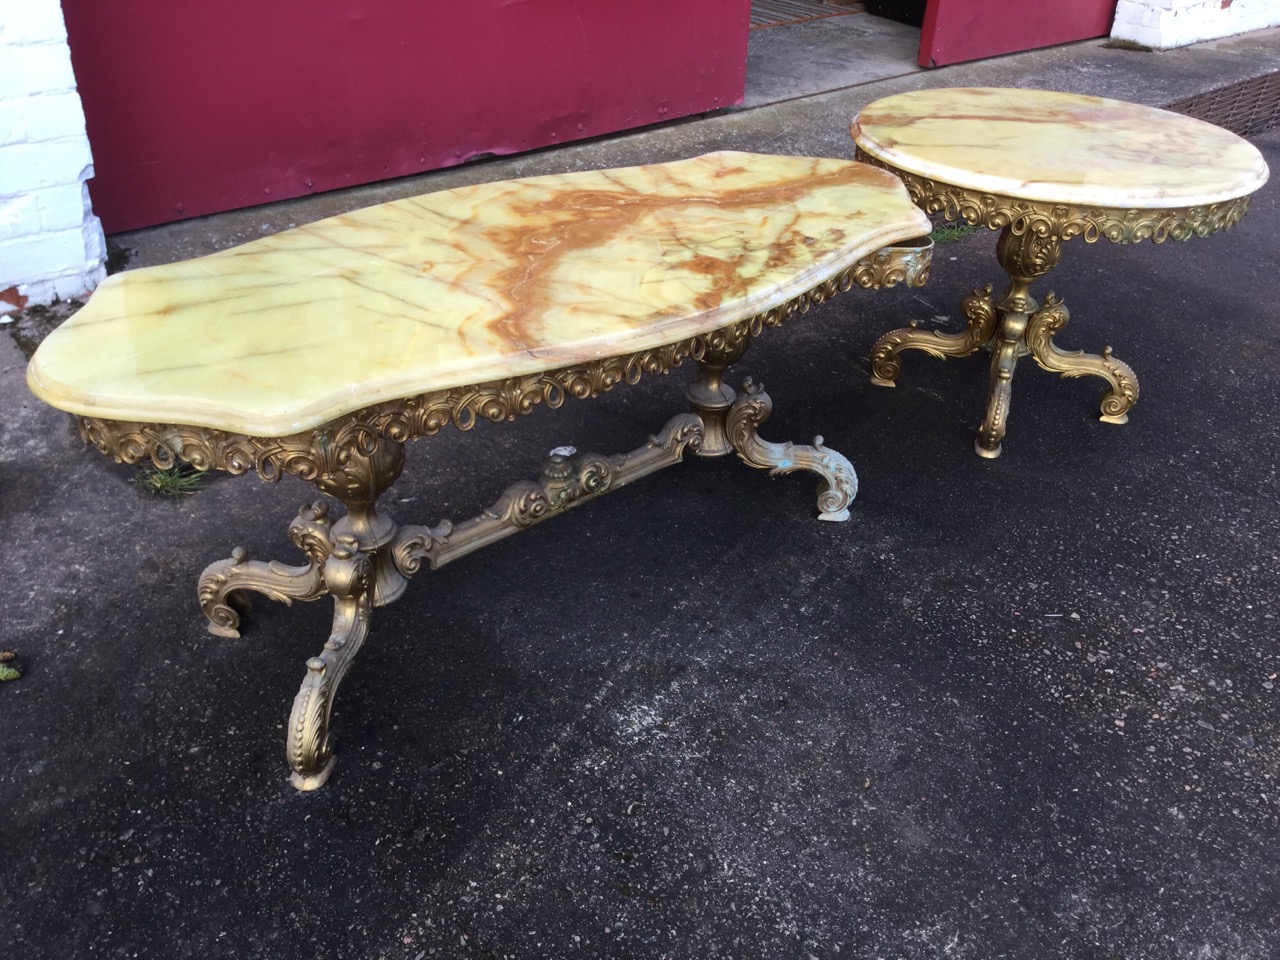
pixel 1013 327
pixel 363 560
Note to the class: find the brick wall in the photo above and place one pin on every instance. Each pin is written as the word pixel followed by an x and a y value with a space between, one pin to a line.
pixel 51 244
pixel 1175 23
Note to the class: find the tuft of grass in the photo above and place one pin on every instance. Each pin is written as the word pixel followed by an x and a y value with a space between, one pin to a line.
pixel 951 232
pixel 1116 43
pixel 8 666
pixel 180 481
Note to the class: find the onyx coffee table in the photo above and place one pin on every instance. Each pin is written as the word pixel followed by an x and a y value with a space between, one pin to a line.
pixel 1043 168
pixel 319 352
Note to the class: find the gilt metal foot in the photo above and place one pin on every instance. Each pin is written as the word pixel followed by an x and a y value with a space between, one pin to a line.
pixel 978 310
pixel 1122 392
pixel 224 586
pixel 349 576
pixel 839 480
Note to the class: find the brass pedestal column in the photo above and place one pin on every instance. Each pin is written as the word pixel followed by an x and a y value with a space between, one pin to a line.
pixel 1013 327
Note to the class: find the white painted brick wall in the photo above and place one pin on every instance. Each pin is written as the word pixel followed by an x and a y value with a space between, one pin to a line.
pixel 51 244
pixel 1176 23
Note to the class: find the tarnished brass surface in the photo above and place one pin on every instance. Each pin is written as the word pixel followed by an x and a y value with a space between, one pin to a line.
pixel 348 575
pixel 978 311
pixel 364 559
pixel 1051 318
pixel 566 481
pixel 839 481
pixel 1061 220
pixel 320 456
pixel 223 587
pixel 1028 248
pixel 907 263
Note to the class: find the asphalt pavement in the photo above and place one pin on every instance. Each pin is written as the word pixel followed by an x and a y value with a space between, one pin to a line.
pixel 1021 708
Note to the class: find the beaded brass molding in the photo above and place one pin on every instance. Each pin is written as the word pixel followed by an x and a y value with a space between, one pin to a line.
pixel 1064 221
pixel 364 559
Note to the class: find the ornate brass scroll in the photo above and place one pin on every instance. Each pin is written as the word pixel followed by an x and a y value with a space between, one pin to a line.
pixel 364 559
pixel 1029 246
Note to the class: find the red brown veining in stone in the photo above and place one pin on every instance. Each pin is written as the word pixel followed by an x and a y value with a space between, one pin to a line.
pixel 576 220
pixel 1059 148
pixel 465 286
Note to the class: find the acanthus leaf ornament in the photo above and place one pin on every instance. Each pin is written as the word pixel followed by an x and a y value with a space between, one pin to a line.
pixel 1064 221
pixel 363 559
pixel 1029 246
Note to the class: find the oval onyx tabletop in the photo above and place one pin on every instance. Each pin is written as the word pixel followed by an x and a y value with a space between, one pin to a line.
pixel 1059 148
pixel 465 286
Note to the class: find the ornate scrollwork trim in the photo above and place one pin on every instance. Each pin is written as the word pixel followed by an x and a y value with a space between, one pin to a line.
pixel 324 455
pixel 839 480
pixel 1064 221
pixel 566 482
pixel 224 585
pixel 907 263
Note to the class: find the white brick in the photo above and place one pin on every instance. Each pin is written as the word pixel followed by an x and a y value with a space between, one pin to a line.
pixel 1175 23
pixel 43 68
pixel 78 284
pixel 1127 13
pixel 31 21
pixel 46 255
pixel 43 117
pixel 51 244
pixel 37 166
pixel 59 208
pixel 95 241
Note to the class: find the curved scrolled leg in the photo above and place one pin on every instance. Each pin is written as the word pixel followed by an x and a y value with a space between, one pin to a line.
pixel 1049 320
pixel 839 481
pixel 224 586
pixel 978 310
pixel 348 574
pixel 991 434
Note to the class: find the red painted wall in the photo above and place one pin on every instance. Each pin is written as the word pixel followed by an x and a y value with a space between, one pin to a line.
pixel 957 30
pixel 197 106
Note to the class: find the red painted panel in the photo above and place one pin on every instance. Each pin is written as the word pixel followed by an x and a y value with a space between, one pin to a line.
pixel 196 106
pixel 956 30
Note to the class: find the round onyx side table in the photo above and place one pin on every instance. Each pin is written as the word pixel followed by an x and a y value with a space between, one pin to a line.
pixel 1043 168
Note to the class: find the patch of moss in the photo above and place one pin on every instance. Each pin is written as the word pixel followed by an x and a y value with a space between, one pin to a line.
pixel 9 666
pixel 118 256
pixel 1115 43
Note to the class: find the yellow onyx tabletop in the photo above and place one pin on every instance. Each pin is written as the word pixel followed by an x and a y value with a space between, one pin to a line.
pixel 465 286
pixel 1059 148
